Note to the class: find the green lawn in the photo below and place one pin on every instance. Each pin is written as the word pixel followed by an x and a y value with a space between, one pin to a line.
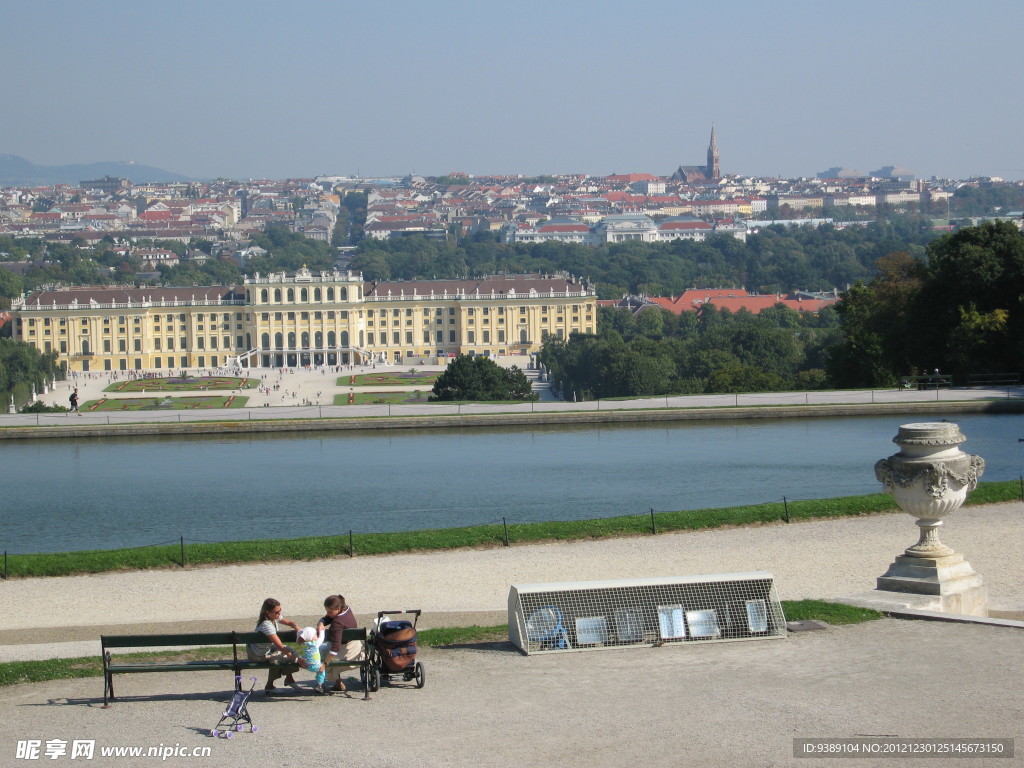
pixel 164 403
pixel 370 398
pixel 425 379
pixel 190 384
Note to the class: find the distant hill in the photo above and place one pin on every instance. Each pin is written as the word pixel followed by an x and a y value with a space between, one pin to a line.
pixel 18 172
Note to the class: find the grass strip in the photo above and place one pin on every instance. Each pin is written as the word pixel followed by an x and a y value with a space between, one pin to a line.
pixel 318 547
pixel 19 672
pixel 830 613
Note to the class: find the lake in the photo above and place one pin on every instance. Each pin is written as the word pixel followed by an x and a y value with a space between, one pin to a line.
pixel 114 492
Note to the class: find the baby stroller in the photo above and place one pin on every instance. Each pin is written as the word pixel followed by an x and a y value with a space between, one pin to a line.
pixel 392 651
pixel 237 712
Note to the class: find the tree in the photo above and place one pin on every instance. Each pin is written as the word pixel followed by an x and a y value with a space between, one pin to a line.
pixel 480 379
pixel 876 321
pixel 969 314
pixel 11 284
pixel 21 367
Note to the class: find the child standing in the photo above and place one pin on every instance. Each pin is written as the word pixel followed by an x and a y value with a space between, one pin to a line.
pixel 311 639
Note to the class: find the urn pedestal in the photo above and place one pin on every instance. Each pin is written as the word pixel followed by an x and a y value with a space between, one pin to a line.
pixel 929 478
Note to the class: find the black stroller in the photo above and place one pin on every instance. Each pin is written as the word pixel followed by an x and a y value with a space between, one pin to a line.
pixel 391 651
pixel 237 712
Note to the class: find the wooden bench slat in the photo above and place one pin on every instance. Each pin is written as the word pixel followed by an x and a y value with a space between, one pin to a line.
pixel 155 641
pixel 171 666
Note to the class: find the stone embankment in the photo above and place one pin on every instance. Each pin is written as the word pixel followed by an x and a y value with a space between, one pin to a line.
pixel 615 412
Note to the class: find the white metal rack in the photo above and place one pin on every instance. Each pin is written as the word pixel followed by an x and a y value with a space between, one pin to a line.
pixel 591 615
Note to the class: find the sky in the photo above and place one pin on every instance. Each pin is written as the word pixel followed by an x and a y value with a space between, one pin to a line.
pixel 220 88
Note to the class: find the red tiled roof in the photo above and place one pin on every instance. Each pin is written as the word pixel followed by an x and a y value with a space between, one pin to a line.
pixel 755 304
pixel 734 299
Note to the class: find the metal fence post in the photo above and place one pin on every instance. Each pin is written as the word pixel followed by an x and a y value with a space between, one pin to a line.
pixel 505 525
pixel 351 545
pixel 182 551
pixel 654 529
pixel 785 506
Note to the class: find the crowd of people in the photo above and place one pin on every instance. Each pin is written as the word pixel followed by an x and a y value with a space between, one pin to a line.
pixel 321 645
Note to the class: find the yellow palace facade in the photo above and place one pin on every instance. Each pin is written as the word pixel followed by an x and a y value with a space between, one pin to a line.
pixel 324 318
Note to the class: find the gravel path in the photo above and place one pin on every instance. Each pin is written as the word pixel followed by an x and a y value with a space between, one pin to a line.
pixel 827 559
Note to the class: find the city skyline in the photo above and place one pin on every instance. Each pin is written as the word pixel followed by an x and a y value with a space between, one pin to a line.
pixel 249 91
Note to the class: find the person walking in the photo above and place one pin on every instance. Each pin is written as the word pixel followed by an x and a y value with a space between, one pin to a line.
pixel 74 402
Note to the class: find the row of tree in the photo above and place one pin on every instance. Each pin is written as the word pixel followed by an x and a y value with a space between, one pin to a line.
pixel 777 259
pixel 77 263
pixel 958 308
pixel 658 353
pixel 22 366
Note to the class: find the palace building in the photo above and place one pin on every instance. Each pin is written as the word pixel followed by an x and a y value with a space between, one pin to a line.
pixel 325 318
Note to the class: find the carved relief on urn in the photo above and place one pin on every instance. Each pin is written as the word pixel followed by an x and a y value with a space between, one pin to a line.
pixel 929 478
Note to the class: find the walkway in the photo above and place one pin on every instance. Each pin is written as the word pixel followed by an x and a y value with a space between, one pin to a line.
pixel 320 387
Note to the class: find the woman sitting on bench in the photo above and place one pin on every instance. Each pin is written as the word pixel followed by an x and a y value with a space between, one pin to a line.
pixel 283 659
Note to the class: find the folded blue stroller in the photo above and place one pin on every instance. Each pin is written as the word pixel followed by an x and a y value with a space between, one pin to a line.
pixel 237 712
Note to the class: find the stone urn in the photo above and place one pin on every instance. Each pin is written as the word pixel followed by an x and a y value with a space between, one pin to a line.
pixel 929 479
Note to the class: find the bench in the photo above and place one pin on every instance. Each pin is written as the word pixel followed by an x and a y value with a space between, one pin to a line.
pixel 237 663
pixel 931 381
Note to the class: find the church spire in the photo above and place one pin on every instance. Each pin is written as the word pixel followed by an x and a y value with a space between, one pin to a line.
pixel 714 172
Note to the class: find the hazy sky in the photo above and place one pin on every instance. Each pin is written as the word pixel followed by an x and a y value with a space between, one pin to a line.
pixel 213 88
